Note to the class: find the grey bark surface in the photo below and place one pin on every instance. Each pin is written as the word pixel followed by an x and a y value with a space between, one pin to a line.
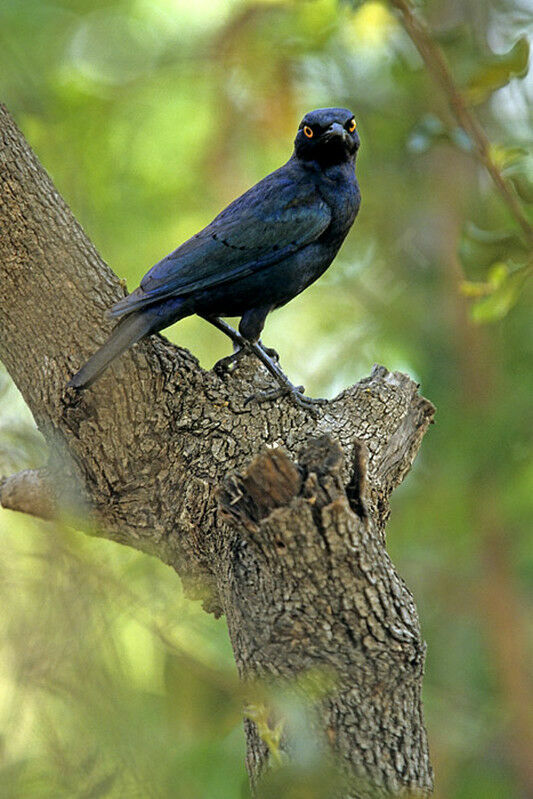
pixel 269 515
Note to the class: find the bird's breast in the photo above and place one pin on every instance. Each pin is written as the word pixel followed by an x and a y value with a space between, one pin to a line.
pixel 339 189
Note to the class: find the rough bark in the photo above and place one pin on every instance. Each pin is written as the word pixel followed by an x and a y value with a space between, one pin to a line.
pixel 270 515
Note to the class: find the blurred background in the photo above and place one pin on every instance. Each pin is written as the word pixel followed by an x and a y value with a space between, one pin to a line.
pixel 151 115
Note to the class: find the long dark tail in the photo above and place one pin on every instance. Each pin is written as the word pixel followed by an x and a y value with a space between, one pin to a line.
pixel 129 330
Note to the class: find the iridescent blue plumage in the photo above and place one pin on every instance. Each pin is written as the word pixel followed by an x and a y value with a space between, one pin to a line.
pixel 259 252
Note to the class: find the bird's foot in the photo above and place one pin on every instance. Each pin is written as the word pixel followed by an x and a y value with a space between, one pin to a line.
pixel 295 392
pixel 270 351
pixel 225 365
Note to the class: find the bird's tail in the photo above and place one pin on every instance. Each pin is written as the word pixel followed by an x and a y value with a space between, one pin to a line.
pixel 129 330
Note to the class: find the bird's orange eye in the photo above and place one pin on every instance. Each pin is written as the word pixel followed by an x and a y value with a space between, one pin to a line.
pixel 352 124
pixel 308 132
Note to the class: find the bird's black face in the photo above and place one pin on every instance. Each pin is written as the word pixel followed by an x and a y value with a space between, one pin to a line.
pixel 327 136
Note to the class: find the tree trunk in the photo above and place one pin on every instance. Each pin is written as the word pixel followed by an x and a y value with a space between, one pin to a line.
pixel 269 515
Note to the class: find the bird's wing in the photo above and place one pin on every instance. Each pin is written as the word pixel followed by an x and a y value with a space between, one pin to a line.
pixel 272 220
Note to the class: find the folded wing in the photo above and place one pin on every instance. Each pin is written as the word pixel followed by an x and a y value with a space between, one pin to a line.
pixel 275 218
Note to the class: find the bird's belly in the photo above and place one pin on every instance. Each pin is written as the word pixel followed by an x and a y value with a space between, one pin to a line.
pixel 272 286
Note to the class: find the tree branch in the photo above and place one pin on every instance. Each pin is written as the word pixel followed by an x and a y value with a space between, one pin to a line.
pixel 326 596
pixel 435 60
pixel 148 447
pixel 28 492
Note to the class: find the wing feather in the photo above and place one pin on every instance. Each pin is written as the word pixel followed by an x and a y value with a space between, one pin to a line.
pixel 275 218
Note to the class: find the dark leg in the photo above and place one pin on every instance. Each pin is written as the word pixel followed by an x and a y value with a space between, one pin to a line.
pixel 253 322
pixel 225 364
pixel 270 351
pixel 250 328
pixel 285 385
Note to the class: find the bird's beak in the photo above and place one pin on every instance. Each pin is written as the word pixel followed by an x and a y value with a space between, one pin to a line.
pixel 335 130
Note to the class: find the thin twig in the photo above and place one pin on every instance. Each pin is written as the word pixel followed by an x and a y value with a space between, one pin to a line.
pixel 436 63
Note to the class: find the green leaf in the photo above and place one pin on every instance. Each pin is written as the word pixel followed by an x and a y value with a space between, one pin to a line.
pixel 520 173
pixel 475 289
pixel 505 157
pixel 499 303
pixel 497 71
pixel 479 249
pixel 498 274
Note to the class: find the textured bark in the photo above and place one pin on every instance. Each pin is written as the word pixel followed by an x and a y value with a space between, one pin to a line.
pixel 28 492
pixel 270 515
pixel 320 592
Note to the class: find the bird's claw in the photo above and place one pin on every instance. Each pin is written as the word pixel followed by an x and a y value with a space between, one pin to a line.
pixel 295 392
pixel 225 365
pixel 270 351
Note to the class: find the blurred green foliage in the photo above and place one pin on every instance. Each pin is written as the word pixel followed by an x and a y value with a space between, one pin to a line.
pixel 150 116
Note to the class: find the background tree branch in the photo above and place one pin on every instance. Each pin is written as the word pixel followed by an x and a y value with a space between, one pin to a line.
pixel 297 542
pixel 28 492
pixel 438 67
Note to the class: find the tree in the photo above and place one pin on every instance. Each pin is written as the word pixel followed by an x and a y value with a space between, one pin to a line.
pixel 271 516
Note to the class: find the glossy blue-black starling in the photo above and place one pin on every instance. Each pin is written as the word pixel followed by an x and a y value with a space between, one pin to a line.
pixel 261 251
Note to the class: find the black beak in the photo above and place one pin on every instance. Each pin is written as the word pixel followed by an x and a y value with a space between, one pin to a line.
pixel 335 130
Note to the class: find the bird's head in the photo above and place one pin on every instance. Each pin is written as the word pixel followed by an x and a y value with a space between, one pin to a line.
pixel 327 136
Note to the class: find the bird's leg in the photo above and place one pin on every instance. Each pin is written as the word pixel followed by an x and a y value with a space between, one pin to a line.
pixel 224 364
pixel 270 351
pixel 285 385
pixel 251 327
pixel 229 331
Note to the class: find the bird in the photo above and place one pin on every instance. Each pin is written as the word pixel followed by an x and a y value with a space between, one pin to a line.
pixel 259 253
